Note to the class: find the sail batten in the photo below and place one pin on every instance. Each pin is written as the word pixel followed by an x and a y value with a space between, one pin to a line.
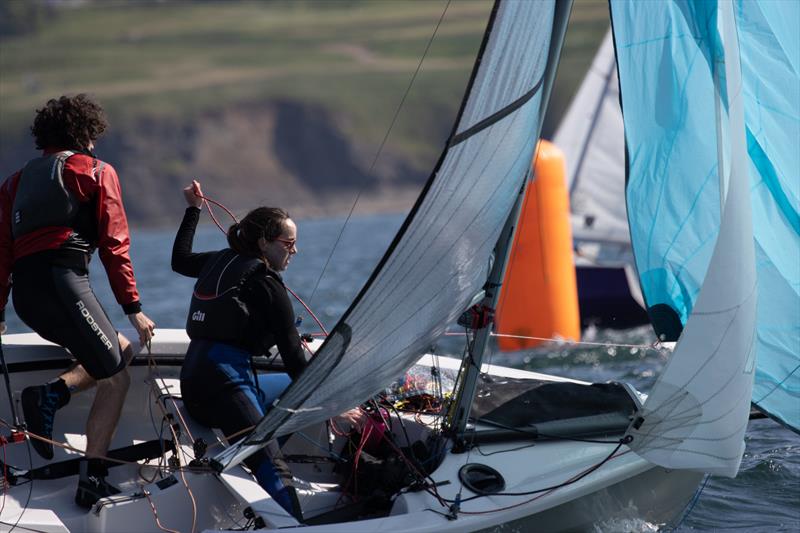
pixel 441 256
pixel 499 115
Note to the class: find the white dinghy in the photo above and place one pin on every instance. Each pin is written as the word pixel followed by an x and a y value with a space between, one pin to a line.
pixel 507 448
pixel 165 492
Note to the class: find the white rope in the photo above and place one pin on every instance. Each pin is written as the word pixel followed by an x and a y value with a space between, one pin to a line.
pixel 657 345
pixel 276 405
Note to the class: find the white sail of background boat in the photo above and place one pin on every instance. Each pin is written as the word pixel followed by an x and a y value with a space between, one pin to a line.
pixel 452 248
pixel 592 139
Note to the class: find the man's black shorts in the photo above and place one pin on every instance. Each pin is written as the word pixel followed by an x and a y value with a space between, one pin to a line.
pixel 58 303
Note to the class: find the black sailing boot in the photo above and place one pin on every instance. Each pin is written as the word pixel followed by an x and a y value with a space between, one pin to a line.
pixel 92 484
pixel 39 405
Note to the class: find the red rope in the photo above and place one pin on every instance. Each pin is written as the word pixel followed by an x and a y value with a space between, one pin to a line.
pixel 155 515
pixel 208 201
pixel 310 312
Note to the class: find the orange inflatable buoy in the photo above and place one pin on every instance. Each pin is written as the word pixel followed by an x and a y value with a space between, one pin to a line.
pixel 539 297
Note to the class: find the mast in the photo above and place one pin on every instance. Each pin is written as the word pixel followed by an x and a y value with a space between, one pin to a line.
pixel 466 390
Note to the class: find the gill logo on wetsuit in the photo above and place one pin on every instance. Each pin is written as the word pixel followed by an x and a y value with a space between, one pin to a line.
pixel 90 320
pixel 198 316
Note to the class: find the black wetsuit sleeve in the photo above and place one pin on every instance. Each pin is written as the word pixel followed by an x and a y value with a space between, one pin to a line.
pixel 184 261
pixel 279 319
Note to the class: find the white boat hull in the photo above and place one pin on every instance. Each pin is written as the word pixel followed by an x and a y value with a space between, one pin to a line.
pixel 626 488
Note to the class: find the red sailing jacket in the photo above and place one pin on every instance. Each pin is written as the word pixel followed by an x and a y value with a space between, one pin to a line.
pixel 89 179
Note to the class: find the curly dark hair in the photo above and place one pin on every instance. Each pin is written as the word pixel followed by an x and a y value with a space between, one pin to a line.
pixel 267 222
pixel 69 122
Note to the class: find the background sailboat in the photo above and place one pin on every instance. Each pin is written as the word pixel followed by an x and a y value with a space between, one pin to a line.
pixel 592 139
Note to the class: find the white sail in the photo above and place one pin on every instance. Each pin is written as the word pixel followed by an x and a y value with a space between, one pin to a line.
pixel 591 137
pixel 440 257
pixel 696 415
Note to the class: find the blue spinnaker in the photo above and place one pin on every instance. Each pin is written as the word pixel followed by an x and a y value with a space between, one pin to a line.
pixel 770 57
pixel 673 190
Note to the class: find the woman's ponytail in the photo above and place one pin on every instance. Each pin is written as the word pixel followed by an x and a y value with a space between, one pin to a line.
pixel 266 222
pixel 235 240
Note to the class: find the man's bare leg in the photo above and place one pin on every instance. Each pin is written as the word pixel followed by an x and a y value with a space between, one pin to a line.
pixel 100 427
pixel 77 379
pixel 108 401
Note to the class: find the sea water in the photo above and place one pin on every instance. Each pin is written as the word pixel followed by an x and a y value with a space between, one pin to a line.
pixel 334 261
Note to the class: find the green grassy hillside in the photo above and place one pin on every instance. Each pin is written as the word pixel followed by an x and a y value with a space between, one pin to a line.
pixel 178 63
pixel 177 59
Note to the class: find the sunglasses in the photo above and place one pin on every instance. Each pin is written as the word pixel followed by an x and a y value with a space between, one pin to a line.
pixel 288 243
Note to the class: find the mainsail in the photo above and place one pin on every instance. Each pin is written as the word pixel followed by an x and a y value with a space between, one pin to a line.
pixel 690 217
pixel 440 258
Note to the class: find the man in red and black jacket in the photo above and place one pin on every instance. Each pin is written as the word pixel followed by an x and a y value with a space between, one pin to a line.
pixel 54 213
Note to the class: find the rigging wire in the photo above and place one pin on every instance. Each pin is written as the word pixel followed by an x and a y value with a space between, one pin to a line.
pixel 455 508
pixel 208 201
pixel 185 483
pixel 653 346
pixel 523 447
pixel 308 309
pixel 380 148
pixel 696 497
pixel 153 367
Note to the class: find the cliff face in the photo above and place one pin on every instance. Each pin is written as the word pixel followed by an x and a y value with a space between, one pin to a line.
pixel 282 153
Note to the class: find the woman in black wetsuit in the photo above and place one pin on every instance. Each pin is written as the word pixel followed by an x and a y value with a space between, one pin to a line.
pixel 239 309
